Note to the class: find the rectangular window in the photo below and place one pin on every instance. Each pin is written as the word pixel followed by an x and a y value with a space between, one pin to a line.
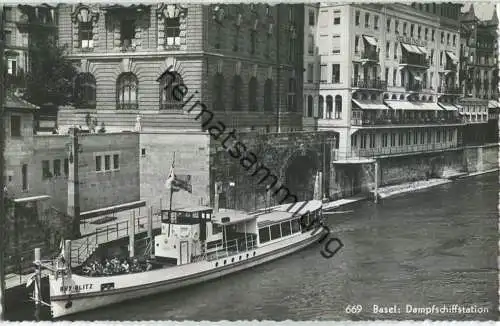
pixel 450 135
pixel 367 20
pixel 432 35
pixel 116 161
pixel 7 37
pixel 415 137
pixel 323 18
pixel 429 137
pixel 336 73
pixel 395 51
pixel 444 136
pixel 396 27
pixel 98 163
pixel 66 167
pixel 384 140
pixel 57 168
pixel 354 140
pixel 400 139
pixel 393 139
pixel 356 44
pixel 372 140
pixel 357 18
pixel 438 136
pixel 127 32
pixel 24 172
pixel 264 235
pixel 107 162
pixel 324 73
pixel 336 44
pixel 375 22
pixel 8 14
pixel 336 17
pixel 387 50
pixel 394 76
pixel 85 35
pixel 310 72
pixel 15 126
pixel 311 18
pixel 46 170
pixel 387 75
pixel 422 137
pixel 388 24
pixel 363 141
pixel 408 138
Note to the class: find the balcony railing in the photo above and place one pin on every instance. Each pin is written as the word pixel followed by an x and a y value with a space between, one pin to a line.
pixel 370 55
pixel 449 90
pixel 369 84
pixel 404 149
pixel 420 62
pixel 367 122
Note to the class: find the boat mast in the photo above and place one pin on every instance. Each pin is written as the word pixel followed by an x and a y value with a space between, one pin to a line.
pixel 171 193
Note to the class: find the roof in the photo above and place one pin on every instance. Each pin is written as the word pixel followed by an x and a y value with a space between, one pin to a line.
pixel 234 216
pixel 192 209
pixel 15 102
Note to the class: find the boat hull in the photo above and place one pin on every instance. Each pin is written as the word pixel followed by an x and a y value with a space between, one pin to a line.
pixel 167 281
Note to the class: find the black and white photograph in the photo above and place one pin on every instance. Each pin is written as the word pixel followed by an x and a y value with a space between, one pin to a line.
pixel 249 161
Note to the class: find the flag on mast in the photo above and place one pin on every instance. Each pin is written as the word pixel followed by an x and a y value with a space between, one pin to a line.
pixel 176 183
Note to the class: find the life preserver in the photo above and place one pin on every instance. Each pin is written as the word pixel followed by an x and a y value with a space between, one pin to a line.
pixel 196 236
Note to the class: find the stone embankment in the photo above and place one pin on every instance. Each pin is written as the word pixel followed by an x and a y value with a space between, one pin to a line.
pixel 389 191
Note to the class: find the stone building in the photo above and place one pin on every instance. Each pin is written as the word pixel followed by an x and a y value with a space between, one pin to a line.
pixel 242 61
pixel 479 75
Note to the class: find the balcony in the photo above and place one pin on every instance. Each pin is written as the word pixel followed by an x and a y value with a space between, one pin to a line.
pixel 375 84
pixel 401 150
pixel 42 16
pixel 370 56
pixel 388 122
pixel 418 62
pixel 453 90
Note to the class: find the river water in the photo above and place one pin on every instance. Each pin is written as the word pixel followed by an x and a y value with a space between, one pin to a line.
pixel 434 247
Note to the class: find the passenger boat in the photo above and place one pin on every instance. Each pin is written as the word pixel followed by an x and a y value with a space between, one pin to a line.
pixel 196 244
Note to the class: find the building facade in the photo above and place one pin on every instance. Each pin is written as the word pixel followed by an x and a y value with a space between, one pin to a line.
pixel 241 61
pixel 479 76
pixel 384 76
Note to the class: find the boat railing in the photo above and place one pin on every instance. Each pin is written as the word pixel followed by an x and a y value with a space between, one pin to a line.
pixel 233 247
pixel 104 234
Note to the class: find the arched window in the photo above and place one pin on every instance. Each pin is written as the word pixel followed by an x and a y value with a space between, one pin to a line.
pixel 401 97
pixel 386 96
pixel 310 102
pixel 126 91
pixel 321 104
pixel 170 91
pixel 268 95
pixel 430 99
pixel 310 44
pixel 218 93
pixel 338 106
pixel 329 106
pixel 394 97
pixel 252 94
pixel 237 86
pixel 85 94
pixel 291 103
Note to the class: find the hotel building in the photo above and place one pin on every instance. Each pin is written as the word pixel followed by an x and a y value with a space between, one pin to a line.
pixel 384 76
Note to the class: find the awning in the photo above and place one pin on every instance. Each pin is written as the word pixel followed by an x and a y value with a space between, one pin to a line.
pixel 370 105
pixel 448 107
pixel 411 48
pixel 452 56
pixel 422 49
pixel 429 106
pixel 417 78
pixel 405 105
pixel 371 40
pixel 493 104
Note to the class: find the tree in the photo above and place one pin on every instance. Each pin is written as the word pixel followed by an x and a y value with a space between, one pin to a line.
pixel 51 75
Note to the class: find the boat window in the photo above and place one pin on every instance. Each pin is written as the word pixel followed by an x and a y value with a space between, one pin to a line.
pixel 275 231
pixel 264 235
pixel 286 229
pixel 216 229
pixel 295 226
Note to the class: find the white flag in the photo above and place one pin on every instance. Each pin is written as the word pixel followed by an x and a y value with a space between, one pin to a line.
pixel 171 178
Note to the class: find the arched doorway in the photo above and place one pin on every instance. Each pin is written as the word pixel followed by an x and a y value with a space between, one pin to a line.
pixel 299 175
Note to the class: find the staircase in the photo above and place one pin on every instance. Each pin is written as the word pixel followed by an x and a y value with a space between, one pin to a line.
pixel 83 248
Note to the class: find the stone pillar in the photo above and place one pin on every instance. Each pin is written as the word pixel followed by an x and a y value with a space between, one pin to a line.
pixel 73 208
pixel 131 235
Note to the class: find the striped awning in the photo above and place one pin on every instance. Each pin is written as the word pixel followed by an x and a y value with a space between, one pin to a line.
pixel 404 105
pixel 411 48
pixel 370 105
pixel 429 106
pixel 371 40
pixel 493 104
pixel 452 56
pixel 448 106
pixel 422 49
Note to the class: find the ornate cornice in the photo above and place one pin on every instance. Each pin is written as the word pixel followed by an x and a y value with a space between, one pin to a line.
pixel 84 14
pixel 171 11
